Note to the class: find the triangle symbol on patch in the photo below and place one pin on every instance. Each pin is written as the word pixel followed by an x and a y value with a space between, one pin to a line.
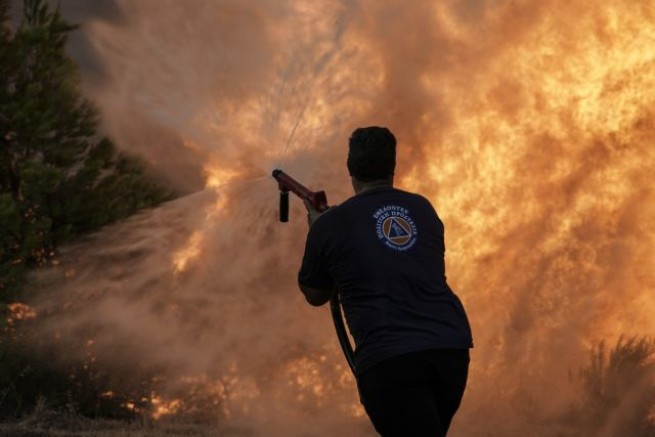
pixel 397 230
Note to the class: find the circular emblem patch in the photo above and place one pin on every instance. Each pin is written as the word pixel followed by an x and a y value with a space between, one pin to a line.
pixel 395 227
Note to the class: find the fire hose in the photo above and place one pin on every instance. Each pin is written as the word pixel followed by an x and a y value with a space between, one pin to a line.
pixel 318 200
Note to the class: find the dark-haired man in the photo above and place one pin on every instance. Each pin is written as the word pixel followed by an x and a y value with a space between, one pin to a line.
pixel 383 249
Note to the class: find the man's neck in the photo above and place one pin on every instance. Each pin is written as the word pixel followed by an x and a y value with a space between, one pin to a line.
pixel 362 187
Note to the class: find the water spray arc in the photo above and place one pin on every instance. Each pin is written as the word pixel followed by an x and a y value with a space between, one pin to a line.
pixel 318 200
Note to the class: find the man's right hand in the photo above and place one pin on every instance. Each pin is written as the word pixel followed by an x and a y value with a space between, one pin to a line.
pixel 312 213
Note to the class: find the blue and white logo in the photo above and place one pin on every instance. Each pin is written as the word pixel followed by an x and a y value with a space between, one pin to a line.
pixel 395 227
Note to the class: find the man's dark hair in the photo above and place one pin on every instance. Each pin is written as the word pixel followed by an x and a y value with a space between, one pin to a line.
pixel 372 153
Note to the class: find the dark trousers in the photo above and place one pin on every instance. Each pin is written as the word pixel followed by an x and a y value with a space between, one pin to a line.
pixel 416 394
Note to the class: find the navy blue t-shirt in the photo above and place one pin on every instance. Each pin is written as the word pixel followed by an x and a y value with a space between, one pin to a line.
pixel 384 249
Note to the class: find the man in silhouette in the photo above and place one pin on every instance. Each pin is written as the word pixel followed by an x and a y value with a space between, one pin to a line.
pixel 383 250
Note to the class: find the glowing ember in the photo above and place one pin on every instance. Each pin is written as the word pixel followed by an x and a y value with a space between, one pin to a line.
pixel 18 311
pixel 164 408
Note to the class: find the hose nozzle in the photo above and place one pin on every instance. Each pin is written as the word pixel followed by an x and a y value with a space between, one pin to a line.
pixel 286 183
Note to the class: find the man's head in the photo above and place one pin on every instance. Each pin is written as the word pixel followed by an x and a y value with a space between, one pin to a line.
pixel 372 154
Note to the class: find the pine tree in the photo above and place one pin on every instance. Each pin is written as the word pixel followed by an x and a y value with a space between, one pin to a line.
pixel 58 177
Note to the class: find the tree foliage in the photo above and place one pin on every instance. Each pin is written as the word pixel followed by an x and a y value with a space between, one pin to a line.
pixel 617 396
pixel 58 177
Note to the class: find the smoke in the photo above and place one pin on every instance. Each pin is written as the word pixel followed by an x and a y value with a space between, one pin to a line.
pixel 528 123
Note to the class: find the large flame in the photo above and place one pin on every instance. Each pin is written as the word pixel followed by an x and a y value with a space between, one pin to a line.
pixel 529 124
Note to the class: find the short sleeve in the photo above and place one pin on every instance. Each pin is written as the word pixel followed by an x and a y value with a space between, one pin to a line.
pixel 314 271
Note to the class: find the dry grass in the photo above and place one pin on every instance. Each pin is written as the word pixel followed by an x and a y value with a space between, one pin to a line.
pixel 48 423
pixel 104 428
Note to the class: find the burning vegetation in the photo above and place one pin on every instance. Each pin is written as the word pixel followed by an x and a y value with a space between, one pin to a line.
pixel 529 124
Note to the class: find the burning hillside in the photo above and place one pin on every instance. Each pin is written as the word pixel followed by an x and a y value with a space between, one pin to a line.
pixel 529 124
